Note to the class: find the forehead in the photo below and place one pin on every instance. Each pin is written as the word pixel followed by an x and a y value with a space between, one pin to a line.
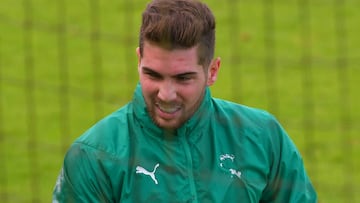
pixel 156 57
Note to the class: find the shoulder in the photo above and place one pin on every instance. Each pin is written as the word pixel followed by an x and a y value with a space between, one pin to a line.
pixel 249 122
pixel 109 135
pixel 253 125
pixel 242 113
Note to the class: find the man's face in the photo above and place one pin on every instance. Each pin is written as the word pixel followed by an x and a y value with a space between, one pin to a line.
pixel 173 83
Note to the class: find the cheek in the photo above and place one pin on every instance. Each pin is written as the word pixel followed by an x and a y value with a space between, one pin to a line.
pixel 147 89
pixel 192 94
pixel 146 84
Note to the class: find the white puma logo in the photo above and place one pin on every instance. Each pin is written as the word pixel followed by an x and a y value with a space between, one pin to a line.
pixel 140 169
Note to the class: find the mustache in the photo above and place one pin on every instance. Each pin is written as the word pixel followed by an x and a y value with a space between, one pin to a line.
pixel 167 104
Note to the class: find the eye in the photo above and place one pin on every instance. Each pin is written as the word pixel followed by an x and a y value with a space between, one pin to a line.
pixel 152 74
pixel 183 77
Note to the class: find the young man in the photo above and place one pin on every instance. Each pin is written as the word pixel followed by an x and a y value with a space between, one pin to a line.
pixel 174 142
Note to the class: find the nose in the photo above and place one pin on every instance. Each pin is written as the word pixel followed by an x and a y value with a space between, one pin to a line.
pixel 167 92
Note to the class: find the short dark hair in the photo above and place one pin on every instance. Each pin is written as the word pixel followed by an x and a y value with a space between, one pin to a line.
pixel 179 24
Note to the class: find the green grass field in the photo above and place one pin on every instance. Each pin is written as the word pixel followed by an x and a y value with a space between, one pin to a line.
pixel 66 64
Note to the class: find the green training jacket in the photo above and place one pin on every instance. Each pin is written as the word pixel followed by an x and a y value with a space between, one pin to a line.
pixel 225 153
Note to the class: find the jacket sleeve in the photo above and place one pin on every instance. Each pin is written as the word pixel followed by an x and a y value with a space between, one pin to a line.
pixel 82 178
pixel 288 180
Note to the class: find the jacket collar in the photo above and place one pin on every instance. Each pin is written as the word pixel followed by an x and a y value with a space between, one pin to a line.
pixel 192 126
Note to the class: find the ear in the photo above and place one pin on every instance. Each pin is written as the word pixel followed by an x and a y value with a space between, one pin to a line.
pixel 213 71
pixel 139 57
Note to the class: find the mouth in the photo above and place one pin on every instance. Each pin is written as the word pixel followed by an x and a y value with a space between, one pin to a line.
pixel 168 109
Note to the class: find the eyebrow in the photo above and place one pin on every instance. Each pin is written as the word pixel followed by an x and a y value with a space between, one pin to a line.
pixel 149 70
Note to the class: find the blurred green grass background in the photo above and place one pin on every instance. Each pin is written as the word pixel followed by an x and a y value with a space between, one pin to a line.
pixel 65 64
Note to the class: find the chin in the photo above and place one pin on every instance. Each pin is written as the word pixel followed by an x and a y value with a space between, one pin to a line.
pixel 168 126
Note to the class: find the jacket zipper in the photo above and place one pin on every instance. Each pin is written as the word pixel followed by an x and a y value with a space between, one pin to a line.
pixel 188 156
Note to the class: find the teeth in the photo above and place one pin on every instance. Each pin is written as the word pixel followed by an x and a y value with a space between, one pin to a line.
pixel 168 109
